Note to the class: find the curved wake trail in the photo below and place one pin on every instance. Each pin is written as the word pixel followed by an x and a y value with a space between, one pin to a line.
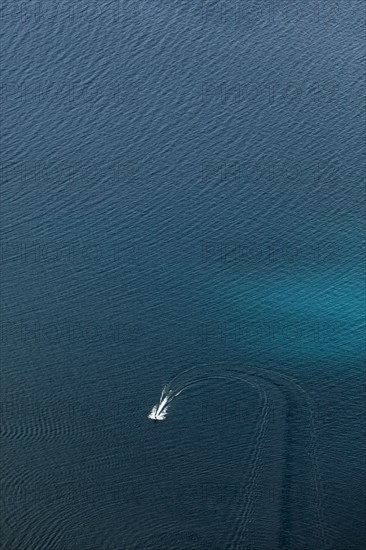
pixel 290 391
pixel 248 502
pixel 160 410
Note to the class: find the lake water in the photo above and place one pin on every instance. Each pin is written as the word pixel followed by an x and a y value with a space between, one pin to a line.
pixel 183 186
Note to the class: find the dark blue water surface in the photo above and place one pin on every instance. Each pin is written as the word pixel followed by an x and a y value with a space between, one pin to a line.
pixel 183 185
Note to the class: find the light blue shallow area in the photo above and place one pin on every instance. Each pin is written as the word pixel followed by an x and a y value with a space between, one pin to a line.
pixel 182 184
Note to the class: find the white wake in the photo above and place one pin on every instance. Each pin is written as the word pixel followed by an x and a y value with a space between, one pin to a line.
pixel 179 385
pixel 160 411
pixel 286 388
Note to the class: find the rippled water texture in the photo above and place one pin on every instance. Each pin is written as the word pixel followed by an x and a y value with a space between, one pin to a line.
pixel 183 186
